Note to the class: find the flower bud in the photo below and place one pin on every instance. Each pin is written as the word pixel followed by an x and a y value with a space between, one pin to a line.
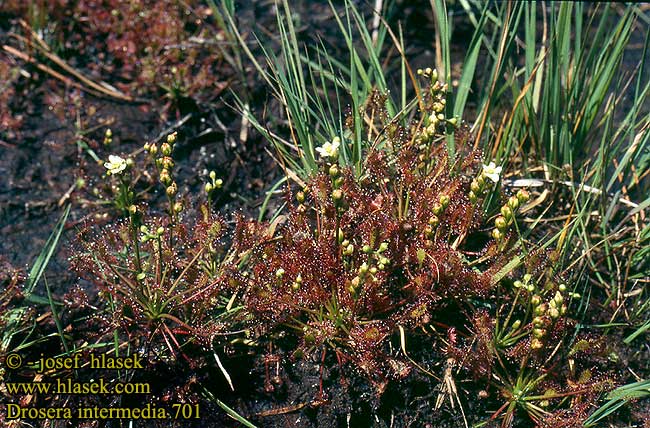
pixel 349 249
pixel 523 196
pixel 472 197
pixel 300 197
pixel 367 249
pixel 334 171
pixel 208 187
pixel 144 229
pixel 538 333
pixel 363 268
pixel 434 221
pixel 133 209
pixel 165 178
pixel 166 149
pixel 513 203
pixel 153 149
pixel 160 230
pixel 218 183
pixel 355 282
pixel 279 273
pixel 444 201
pixel 172 189
pixel 178 207
pixel 437 209
pixel 167 162
pixel 536 344
pixel 516 324
pixel 500 223
pixel 345 243
pixel 497 235
pixel 535 300
pixel 108 137
pixel 373 270
pixel 171 138
pixel 453 121
pixel 383 247
pixel 506 211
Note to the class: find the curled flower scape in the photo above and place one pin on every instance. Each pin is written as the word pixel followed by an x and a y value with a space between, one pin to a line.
pixel 115 165
pixel 492 171
pixel 329 149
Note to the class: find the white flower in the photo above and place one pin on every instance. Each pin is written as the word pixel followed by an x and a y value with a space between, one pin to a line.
pixel 492 171
pixel 330 150
pixel 115 165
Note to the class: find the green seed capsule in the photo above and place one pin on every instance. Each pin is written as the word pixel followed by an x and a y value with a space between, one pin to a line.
pixel 166 149
pixel 497 235
pixel 523 196
pixel 444 201
pixel 500 223
pixel 506 212
pixel 513 203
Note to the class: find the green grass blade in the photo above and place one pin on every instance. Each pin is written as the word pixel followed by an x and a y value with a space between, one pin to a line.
pixel 46 254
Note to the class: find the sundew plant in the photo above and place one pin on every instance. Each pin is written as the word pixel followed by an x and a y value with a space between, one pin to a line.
pixel 454 235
